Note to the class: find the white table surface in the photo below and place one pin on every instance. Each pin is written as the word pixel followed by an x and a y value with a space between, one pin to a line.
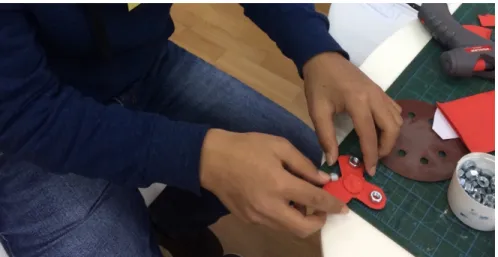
pixel 350 235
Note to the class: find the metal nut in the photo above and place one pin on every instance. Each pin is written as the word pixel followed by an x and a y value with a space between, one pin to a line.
pixel 489 200
pixel 483 181
pixel 467 165
pixel 490 190
pixel 354 161
pixel 476 197
pixel 481 191
pixel 376 196
pixel 475 184
pixel 472 174
pixel 479 183
pixel 334 177
pixel 468 187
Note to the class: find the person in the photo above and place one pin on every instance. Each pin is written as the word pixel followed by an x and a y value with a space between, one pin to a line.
pixel 95 102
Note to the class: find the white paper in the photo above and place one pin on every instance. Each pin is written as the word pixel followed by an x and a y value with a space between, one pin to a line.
pixel 442 127
pixel 360 28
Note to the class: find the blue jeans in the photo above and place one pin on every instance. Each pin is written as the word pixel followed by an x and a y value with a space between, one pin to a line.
pixel 48 214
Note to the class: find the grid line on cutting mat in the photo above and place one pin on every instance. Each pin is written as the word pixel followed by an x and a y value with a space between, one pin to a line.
pixel 417 215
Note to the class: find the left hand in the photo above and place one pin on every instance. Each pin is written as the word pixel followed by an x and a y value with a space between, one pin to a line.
pixel 334 85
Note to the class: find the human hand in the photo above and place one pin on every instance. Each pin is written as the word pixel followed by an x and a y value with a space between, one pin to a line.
pixel 334 85
pixel 256 177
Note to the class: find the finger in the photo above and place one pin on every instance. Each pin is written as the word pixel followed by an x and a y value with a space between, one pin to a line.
pixel 396 116
pixel 322 117
pixel 301 208
pixel 365 128
pixel 320 213
pixel 301 166
pixel 395 110
pixel 389 128
pixel 396 106
pixel 291 220
pixel 301 192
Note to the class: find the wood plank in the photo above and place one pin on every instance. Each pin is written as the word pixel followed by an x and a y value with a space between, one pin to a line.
pixel 276 62
pixel 253 241
pixel 257 77
pixel 181 14
pixel 197 45
pixel 221 38
pixel 323 8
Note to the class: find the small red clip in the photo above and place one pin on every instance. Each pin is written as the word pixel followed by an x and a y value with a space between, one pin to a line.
pixel 352 184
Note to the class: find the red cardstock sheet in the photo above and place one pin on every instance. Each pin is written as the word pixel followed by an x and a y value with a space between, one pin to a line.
pixel 480 31
pixel 473 118
pixel 487 20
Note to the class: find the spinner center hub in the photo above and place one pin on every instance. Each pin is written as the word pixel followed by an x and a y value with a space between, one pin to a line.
pixel 353 184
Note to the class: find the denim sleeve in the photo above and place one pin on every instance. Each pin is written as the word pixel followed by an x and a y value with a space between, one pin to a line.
pixel 53 126
pixel 299 31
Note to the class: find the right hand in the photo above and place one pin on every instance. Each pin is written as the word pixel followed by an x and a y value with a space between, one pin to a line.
pixel 256 176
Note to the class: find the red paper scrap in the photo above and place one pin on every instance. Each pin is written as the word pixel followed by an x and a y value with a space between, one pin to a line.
pixel 487 20
pixel 480 31
pixel 473 118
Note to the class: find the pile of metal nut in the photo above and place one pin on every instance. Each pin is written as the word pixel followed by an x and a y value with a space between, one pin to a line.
pixel 478 183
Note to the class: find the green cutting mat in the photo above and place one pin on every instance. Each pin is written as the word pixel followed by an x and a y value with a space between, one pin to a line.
pixel 417 215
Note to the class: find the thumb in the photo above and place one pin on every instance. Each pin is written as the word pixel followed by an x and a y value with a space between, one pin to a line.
pixel 301 192
pixel 322 117
pixel 299 165
pixel 300 225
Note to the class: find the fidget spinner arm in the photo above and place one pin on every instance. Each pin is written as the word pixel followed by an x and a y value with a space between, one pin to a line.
pixel 351 184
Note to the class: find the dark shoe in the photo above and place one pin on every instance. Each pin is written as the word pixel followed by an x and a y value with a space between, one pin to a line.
pixel 202 243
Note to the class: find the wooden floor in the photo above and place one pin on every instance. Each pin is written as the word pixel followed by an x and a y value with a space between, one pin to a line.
pixel 224 37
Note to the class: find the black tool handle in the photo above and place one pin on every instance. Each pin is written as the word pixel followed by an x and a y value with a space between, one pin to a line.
pixel 469 54
pixel 446 30
pixel 467 62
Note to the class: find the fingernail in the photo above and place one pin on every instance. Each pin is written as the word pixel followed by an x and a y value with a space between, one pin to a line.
pixel 330 159
pixel 324 176
pixel 372 170
pixel 344 210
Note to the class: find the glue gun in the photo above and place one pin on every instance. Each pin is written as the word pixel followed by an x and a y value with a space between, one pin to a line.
pixel 468 54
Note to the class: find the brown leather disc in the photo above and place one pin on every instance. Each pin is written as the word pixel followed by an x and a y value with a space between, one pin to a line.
pixel 420 154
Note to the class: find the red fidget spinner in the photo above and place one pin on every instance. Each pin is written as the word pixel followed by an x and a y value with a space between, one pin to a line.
pixel 352 184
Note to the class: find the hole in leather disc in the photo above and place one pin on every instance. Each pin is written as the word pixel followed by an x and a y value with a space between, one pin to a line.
pixel 401 153
pixel 431 121
pixel 441 154
pixel 424 160
pixel 418 139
